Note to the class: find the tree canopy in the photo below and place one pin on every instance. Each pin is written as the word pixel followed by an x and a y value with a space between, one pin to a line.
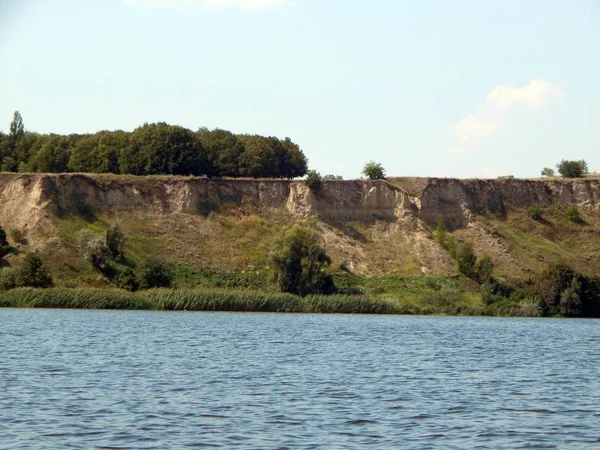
pixel 374 171
pixel 572 169
pixel 152 149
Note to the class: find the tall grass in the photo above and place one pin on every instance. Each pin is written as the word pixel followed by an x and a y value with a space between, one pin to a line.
pixel 195 300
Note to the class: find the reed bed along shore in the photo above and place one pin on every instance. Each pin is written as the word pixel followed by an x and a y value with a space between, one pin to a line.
pixel 243 301
pixel 195 300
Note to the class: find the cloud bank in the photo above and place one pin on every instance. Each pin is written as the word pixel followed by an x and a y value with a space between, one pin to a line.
pixel 496 113
pixel 244 5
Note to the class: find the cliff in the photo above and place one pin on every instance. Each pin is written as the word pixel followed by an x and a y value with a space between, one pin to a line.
pixel 376 226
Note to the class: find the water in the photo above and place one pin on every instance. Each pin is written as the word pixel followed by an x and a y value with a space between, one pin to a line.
pixel 116 379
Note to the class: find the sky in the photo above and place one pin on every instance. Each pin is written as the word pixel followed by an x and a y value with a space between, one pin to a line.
pixel 462 88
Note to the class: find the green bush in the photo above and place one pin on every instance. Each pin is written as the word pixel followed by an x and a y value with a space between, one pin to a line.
pixel 18 236
pixel 572 213
pixel 374 171
pixel 8 278
pixel 535 212
pixel 34 273
pixel 572 169
pixel 465 259
pixel 94 250
pixel 127 280
pixel 115 241
pixel 154 274
pixel 300 259
pixel 313 180
pixel 3 240
pixel 547 172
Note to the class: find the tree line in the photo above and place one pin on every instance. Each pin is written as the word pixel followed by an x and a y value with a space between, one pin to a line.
pixel 152 149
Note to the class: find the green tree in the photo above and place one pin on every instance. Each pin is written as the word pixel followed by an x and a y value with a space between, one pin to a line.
pixel 465 258
pixel 99 152
pixel 17 129
pixel 259 159
pixel 547 172
pixel 158 148
pixel 313 180
pixel 34 273
pixel 374 171
pixel 534 211
pixel 572 169
pixel 53 156
pixel 223 150
pixel 115 241
pixel 300 259
pixel 154 274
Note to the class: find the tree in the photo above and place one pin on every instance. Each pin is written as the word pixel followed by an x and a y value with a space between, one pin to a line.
pixel 3 240
pixel 572 169
pixel 34 273
pixel 154 274
pixel 115 241
pixel 300 259
pixel 53 157
pixel 547 172
pixel 94 250
pixel 313 180
pixel 465 258
pixel 223 150
pixel 17 129
pixel 374 171
pixel 158 148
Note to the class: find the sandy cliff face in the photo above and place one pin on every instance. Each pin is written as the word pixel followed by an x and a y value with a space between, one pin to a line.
pixel 27 200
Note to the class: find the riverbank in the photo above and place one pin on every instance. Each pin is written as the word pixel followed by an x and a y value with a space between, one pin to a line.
pixel 240 301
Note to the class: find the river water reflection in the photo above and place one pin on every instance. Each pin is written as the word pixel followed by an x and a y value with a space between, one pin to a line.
pixel 118 379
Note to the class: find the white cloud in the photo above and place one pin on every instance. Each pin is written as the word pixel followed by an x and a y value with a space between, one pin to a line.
pixel 495 113
pixel 245 5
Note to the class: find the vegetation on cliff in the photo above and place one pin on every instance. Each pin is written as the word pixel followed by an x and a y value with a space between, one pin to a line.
pixel 151 149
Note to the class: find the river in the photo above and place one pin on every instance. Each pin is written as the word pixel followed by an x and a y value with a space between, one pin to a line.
pixel 119 379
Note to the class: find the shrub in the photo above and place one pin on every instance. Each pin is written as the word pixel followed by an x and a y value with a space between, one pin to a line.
pixel 299 260
pixel 572 213
pixel 3 240
pixel 33 272
pixel 154 274
pixel 572 169
pixel 18 236
pixel 115 241
pixel 465 258
pixel 313 180
pixel 127 280
pixel 535 212
pixel 547 172
pixel 94 250
pixel 8 279
pixel 484 269
pixel 374 171
pixel 332 177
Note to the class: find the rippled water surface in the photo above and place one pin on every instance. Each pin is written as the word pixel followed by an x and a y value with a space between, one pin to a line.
pixel 116 379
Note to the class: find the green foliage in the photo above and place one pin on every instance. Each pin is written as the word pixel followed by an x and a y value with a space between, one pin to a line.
pixel 373 171
pixel 572 213
pixel 8 278
pixel 115 241
pixel 534 211
pixel 547 172
pixel 465 259
pixel 333 177
pixel 17 129
pixel 93 249
pixel 3 240
pixel 18 235
pixel 313 180
pixel 300 260
pixel 127 280
pixel 572 169
pixel 34 273
pixel 154 274
pixel 483 269
pixel 506 177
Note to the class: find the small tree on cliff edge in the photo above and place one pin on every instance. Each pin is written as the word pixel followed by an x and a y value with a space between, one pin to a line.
pixel 374 171
pixel 572 169
pixel 299 260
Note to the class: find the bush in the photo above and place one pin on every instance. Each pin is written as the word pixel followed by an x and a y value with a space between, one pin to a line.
pixel 18 236
pixel 154 275
pixel 127 280
pixel 313 180
pixel 115 241
pixel 94 250
pixel 374 171
pixel 299 259
pixel 8 279
pixel 3 240
pixel 465 258
pixel 572 169
pixel 33 272
pixel 535 212
pixel 547 172
pixel 332 177
pixel 572 213
pixel 484 269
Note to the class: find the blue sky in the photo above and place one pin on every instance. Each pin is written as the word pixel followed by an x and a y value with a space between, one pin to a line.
pixel 431 88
